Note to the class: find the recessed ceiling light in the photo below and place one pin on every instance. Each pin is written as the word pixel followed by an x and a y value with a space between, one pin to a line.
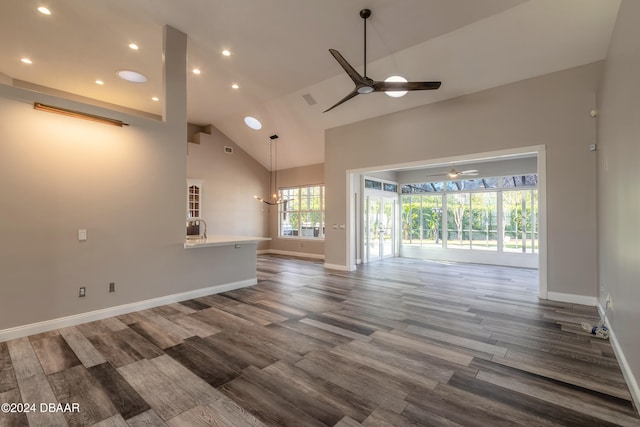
pixel 131 76
pixel 155 99
pixel 235 86
pixel 134 46
pixel 44 10
pixel 196 71
pixel 26 61
pixel 100 82
pixel 226 52
pixel 396 93
pixel 253 123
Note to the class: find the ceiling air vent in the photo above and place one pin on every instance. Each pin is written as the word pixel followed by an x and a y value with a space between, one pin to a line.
pixel 307 97
pixel 228 150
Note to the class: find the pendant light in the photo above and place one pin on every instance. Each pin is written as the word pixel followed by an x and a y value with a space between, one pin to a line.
pixel 275 198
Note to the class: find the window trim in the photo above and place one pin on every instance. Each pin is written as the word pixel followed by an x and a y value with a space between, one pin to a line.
pixel 300 211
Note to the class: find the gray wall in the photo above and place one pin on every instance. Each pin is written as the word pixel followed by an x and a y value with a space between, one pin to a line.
pixel 619 184
pixel 126 186
pixel 552 110
pixel 229 183
pixel 296 177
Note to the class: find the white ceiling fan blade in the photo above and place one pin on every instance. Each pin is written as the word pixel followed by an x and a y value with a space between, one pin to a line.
pixel 436 174
pixel 453 173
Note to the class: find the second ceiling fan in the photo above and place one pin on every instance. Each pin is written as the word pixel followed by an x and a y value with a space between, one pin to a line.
pixel 454 173
pixel 365 84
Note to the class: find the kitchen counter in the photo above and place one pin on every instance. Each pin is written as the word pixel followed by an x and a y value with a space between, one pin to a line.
pixel 222 240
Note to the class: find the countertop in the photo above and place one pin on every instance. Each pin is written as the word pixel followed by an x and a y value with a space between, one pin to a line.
pixel 222 240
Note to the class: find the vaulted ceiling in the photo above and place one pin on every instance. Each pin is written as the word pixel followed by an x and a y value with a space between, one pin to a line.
pixel 279 53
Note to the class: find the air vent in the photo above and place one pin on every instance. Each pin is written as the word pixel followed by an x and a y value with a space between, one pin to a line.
pixel 228 150
pixel 307 97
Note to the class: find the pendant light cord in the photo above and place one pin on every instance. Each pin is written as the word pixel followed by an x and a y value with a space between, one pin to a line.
pixel 271 168
pixel 275 186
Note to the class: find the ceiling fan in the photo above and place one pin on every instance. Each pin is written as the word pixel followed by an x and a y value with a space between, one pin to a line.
pixel 454 173
pixel 365 84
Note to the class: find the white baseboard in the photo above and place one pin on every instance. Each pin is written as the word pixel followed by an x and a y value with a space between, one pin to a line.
pixel 627 373
pixel 573 298
pixel 76 319
pixel 294 254
pixel 335 267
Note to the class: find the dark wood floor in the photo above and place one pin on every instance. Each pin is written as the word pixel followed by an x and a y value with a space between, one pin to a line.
pixel 398 342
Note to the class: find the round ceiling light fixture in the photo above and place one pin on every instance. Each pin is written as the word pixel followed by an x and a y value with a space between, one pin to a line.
pixel 44 10
pixel 131 76
pixel 253 123
pixel 396 93
pixel 226 52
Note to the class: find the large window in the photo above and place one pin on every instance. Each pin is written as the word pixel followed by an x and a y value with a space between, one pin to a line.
pixel 302 213
pixel 520 225
pixel 489 214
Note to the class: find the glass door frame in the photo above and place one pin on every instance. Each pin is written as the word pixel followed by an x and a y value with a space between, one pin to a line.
pixel 382 198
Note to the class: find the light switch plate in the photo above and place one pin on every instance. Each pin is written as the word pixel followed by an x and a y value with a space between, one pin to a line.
pixel 82 234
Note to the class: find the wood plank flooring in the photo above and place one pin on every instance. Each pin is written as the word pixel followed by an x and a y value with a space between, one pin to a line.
pixel 396 343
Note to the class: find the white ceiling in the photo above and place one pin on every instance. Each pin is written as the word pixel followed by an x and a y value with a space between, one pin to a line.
pixel 280 52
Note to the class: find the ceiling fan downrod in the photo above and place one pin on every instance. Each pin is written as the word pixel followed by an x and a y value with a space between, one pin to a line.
pixel 364 14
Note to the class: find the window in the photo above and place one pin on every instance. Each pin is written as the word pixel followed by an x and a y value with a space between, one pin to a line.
pixel 422 219
pixel 302 213
pixel 379 185
pixel 520 223
pixel 484 221
pixel 392 188
pixel 490 214
pixel 458 220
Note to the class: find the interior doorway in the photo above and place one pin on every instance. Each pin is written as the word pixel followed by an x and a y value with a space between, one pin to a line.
pixel 366 243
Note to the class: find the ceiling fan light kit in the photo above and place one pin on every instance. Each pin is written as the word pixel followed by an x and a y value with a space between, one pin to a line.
pixel 454 173
pixel 364 84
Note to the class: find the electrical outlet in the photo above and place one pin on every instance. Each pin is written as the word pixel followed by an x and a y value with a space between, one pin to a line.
pixel 82 292
pixel 609 302
pixel 112 286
